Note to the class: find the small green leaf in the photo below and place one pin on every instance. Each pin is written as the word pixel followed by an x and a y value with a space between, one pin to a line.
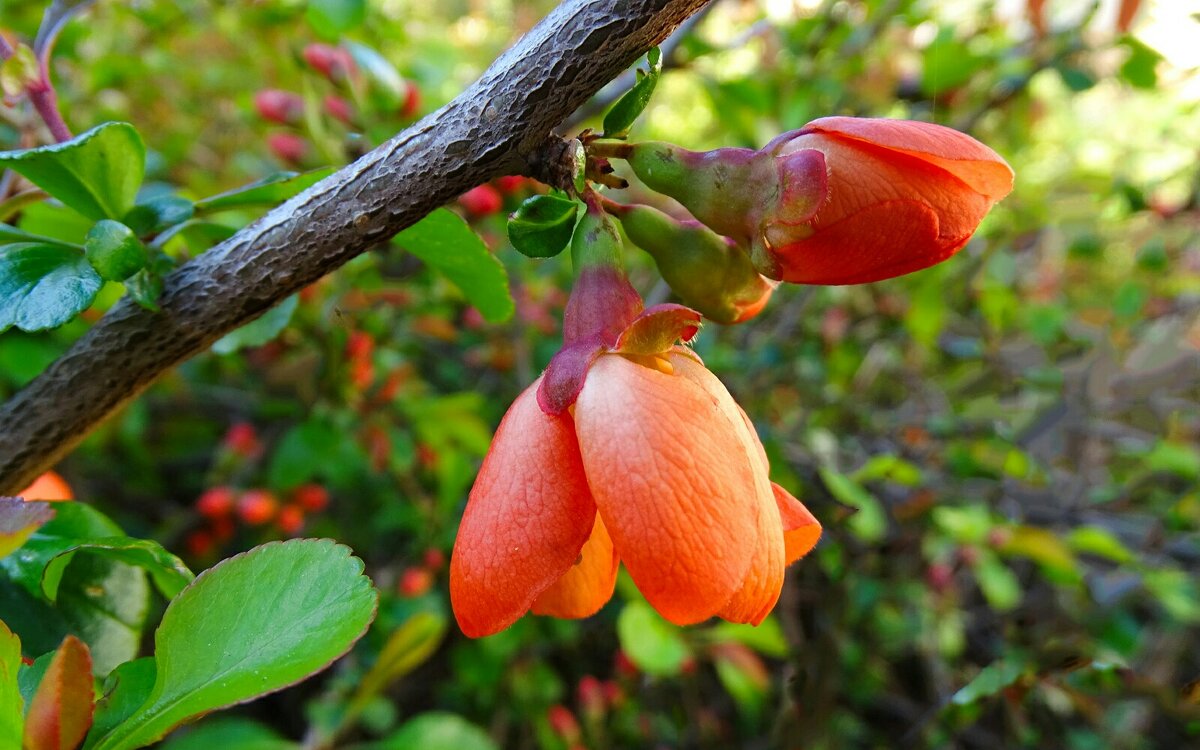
pixel 158 214
pixel 1140 69
pixel 445 242
pixel 766 638
pixel 10 235
pixel 249 626
pixel 12 705
pixel 991 680
pixel 114 250
pixel 260 331
pixel 999 584
pixel 870 522
pixel 436 730
pixel 78 527
pixel 653 644
pixel 387 83
pixel 542 226
pixel 18 521
pixel 406 649
pixel 268 191
pixel 43 286
pixel 97 173
pixel 625 112
pixel 1093 540
pixel 126 689
pixel 330 18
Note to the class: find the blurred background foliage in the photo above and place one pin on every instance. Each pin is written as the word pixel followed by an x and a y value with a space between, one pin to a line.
pixel 1003 448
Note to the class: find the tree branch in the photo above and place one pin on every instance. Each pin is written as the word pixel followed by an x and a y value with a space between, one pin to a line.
pixel 500 125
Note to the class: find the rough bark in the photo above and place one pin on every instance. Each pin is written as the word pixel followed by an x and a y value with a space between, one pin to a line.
pixel 501 125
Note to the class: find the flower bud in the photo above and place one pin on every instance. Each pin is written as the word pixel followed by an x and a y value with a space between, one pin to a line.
pixel 708 271
pixel 843 200
pixel 282 107
pixel 901 196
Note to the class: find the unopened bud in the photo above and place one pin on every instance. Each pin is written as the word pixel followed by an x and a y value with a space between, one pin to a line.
pixel 706 270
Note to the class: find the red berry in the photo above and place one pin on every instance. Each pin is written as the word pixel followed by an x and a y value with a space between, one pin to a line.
pixel 412 101
pixel 222 528
pixel 481 201
pixel 290 520
pixel 287 147
pixel 311 497
pixel 563 723
pixel 510 184
pixel 939 576
pixel 590 694
pixel 625 667
pixel 256 507
pixel 414 582
pixel 199 543
pixel 242 440
pixel 434 559
pixel 216 502
pixel 613 693
pixel 334 63
pixel 359 345
pixel 339 109
pixel 282 107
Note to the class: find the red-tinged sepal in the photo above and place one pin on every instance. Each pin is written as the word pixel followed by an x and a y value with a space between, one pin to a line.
pixel 566 373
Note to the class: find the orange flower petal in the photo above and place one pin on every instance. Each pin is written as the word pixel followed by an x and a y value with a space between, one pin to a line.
pixel 527 518
pixel 958 153
pixel 801 529
pixel 48 486
pixel 588 585
pixel 673 482
pixel 881 241
pixel 762 584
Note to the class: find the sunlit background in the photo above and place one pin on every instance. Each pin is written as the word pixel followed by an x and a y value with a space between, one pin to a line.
pixel 1003 448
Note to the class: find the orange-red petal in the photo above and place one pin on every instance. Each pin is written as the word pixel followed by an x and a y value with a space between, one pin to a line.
pixel 527 518
pixel 588 585
pixel 801 529
pixel 975 164
pixel 672 479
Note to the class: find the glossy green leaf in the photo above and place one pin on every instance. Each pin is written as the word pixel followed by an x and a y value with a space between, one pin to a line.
pixel 43 286
pixel 260 331
pixel 80 528
pixel 542 225
pixel 251 625
pixel 268 191
pixel 653 644
pixel 125 690
pixel 97 173
pixel 436 730
pixel 387 83
pixel 114 250
pixel 624 113
pixel 158 214
pixel 409 646
pixel 10 235
pixel 329 18
pixel 444 242
pixel 12 706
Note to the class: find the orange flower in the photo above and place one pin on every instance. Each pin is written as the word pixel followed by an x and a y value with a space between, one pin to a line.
pixel 655 465
pixel 843 200
pixel 48 486
pixel 900 196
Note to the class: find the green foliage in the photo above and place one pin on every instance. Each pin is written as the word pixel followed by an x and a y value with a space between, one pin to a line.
pixel 1001 449
pixel 97 173
pixel 624 113
pixel 445 242
pixel 542 226
pixel 225 639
